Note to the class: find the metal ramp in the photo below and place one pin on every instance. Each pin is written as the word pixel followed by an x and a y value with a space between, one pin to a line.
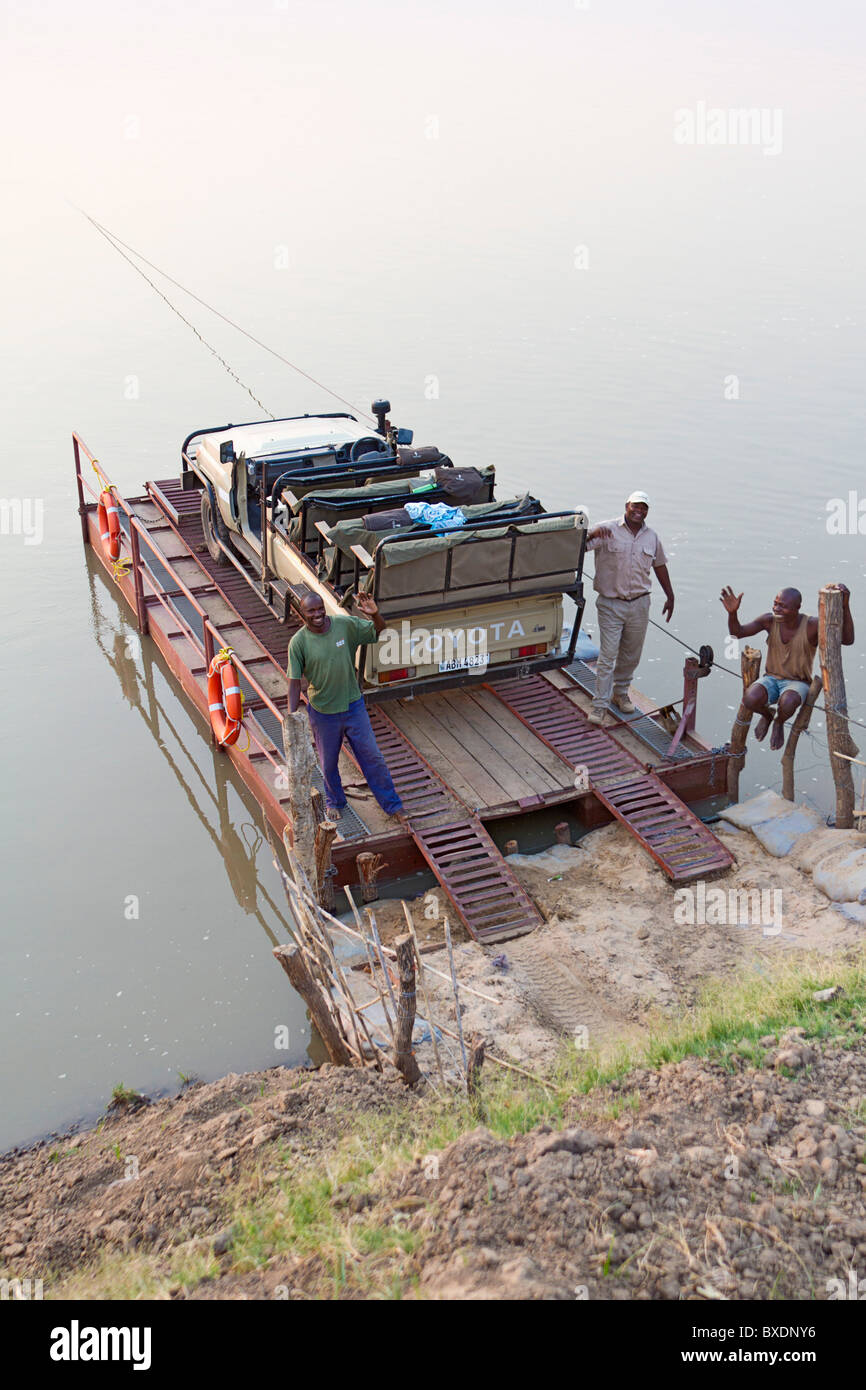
pixel 668 830
pixel 478 883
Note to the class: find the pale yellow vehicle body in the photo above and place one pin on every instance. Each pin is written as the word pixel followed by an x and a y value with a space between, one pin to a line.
pixel 496 624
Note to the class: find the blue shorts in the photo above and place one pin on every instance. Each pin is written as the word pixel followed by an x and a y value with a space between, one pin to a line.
pixel 775 686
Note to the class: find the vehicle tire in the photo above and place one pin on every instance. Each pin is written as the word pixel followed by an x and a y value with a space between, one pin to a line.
pixel 211 531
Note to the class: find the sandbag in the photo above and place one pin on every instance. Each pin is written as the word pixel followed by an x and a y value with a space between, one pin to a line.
pixel 764 806
pixel 775 823
pixel 842 876
pixel 781 834
pixel 815 847
pixel 855 912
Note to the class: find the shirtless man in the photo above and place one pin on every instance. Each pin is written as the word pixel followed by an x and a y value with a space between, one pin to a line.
pixel 792 640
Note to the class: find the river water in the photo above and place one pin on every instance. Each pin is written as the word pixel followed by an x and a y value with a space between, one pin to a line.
pixel 530 232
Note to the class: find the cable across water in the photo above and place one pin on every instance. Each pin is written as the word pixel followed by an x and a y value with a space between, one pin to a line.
pixel 117 243
pixel 850 718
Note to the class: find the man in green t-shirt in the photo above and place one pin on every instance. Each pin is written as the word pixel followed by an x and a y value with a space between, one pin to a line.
pixel 323 653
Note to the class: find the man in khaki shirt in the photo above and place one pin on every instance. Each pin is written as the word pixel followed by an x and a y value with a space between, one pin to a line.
pixel 626 553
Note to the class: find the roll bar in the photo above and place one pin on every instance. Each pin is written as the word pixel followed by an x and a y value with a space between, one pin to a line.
pixel 218 429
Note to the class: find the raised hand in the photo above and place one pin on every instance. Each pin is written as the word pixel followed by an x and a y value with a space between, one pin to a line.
pixel 367 605
pixel 730 600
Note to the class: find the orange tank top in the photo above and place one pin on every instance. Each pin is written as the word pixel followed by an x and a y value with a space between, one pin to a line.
pixel 790 661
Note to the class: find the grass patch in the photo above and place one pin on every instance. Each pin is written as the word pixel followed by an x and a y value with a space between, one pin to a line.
pixel 135 1276
pixel 124 1097
pixel 734 1015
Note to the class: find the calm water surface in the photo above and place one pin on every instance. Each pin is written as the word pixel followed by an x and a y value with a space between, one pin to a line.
pixel 483 216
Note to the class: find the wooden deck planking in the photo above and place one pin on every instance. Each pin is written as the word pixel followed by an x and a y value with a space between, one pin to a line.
pixel 485 739
pixel 490 775
pixel 532 750
pixel 444 753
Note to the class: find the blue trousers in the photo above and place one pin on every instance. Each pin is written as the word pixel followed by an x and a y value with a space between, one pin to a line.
pixel 354 725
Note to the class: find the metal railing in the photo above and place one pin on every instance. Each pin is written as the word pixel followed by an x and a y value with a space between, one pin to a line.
pixel 211 640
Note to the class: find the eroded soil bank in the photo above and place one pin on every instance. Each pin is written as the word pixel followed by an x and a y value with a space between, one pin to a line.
pixel 704 1178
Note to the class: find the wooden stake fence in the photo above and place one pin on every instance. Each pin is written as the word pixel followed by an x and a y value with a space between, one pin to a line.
pixel 350 1036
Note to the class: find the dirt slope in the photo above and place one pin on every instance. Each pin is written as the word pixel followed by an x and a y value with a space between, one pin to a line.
pixel 700 1180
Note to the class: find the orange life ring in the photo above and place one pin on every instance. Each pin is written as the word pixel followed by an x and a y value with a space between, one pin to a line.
pixel 224 699
pixel 108 518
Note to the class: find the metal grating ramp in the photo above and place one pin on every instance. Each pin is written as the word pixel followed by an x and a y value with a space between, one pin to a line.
pixel 675 837
pixel 641 727
pixel 472 873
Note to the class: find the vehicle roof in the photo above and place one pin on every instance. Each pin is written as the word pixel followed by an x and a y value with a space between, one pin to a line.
pixel 278 436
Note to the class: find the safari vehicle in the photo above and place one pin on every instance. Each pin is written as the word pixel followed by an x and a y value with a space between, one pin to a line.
pixel 468 585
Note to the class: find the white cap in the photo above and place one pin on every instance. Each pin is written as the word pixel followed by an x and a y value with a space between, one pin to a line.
pixel 638 497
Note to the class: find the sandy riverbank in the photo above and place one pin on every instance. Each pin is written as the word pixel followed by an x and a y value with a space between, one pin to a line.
pixel 612 960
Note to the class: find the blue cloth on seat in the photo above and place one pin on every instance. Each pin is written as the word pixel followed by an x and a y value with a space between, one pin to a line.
pixel 436 514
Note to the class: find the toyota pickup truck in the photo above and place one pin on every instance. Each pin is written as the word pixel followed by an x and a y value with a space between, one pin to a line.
pixel 471 587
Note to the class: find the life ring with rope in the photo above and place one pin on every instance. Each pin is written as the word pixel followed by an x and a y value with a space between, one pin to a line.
pixel 225 699
pixel 108 518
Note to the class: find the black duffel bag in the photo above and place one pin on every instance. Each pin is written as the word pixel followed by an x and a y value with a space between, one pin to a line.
pixel 387 521
pixel 460 485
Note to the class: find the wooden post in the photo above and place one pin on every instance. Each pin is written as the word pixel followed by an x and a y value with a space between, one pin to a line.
pixel 477 1047
pixel 326 833
pixel 300 767
pixel 511 847
pixel 293 963
pixel 839 740
pixel 799 726
pixel 750 667
pixel 423 983
pixel 370 961
pixel 562 831
pixel 456 993
pixel 369 866
pixel 404 1058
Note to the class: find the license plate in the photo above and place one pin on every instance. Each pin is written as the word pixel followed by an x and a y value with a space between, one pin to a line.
pixel 467 664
